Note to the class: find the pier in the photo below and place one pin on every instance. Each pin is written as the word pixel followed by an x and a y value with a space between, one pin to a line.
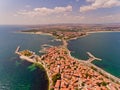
pixel 92 57
pixel 17 50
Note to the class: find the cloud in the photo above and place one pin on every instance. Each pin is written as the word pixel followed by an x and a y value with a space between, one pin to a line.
pixel 96 4
pixel 45 11
pixel 77 0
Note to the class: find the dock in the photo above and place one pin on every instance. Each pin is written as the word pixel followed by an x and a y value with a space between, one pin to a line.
pixel 92 57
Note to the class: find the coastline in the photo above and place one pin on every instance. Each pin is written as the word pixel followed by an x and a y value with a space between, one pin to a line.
pixel 45 65
pixel 87 33
pixel 78 37
pixel 99 69
pixel 101 32
pixel 41 67
pixel 92 32
pixel 107 74
pixel 36 63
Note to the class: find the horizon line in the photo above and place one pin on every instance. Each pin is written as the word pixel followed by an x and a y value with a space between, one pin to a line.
pixel 56 24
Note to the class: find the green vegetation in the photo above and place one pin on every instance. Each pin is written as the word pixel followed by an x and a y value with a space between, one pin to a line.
pixel 88 75
pixel 65 52
pixel 75 68
pixel 102 83
pixel 61 57
pixel 26 53
pixel 76 89
pixel 55 78
pixel 39 66
pixel 69 67
pixel 32 67
pixel 93 68
pixel 74 63
pixel 83 83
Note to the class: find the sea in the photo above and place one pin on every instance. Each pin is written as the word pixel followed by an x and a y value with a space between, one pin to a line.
pixel 102 45
pixel 16 74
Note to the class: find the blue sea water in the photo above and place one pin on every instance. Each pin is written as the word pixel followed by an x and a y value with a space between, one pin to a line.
pixel 14 73
pixel 21 75
pixel 103 45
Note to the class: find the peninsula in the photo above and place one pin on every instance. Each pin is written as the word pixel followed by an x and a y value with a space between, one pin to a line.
pixel 66 72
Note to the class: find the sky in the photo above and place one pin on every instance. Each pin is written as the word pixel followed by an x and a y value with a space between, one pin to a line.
pixel 25 12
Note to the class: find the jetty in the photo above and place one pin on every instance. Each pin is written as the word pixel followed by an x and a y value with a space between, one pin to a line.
pixel 92 57
pixel 17 50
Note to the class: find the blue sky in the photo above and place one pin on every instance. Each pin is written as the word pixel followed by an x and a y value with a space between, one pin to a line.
pixel 59 11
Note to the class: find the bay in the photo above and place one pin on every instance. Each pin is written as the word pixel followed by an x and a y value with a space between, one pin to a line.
pixel 103 45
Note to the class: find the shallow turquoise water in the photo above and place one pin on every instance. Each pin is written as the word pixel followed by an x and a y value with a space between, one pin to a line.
pixel 103 45
pixel 14 73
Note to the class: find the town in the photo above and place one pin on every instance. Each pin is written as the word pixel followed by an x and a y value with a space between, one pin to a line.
pixel 68 73
pixel 64 71
pixel 71 31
